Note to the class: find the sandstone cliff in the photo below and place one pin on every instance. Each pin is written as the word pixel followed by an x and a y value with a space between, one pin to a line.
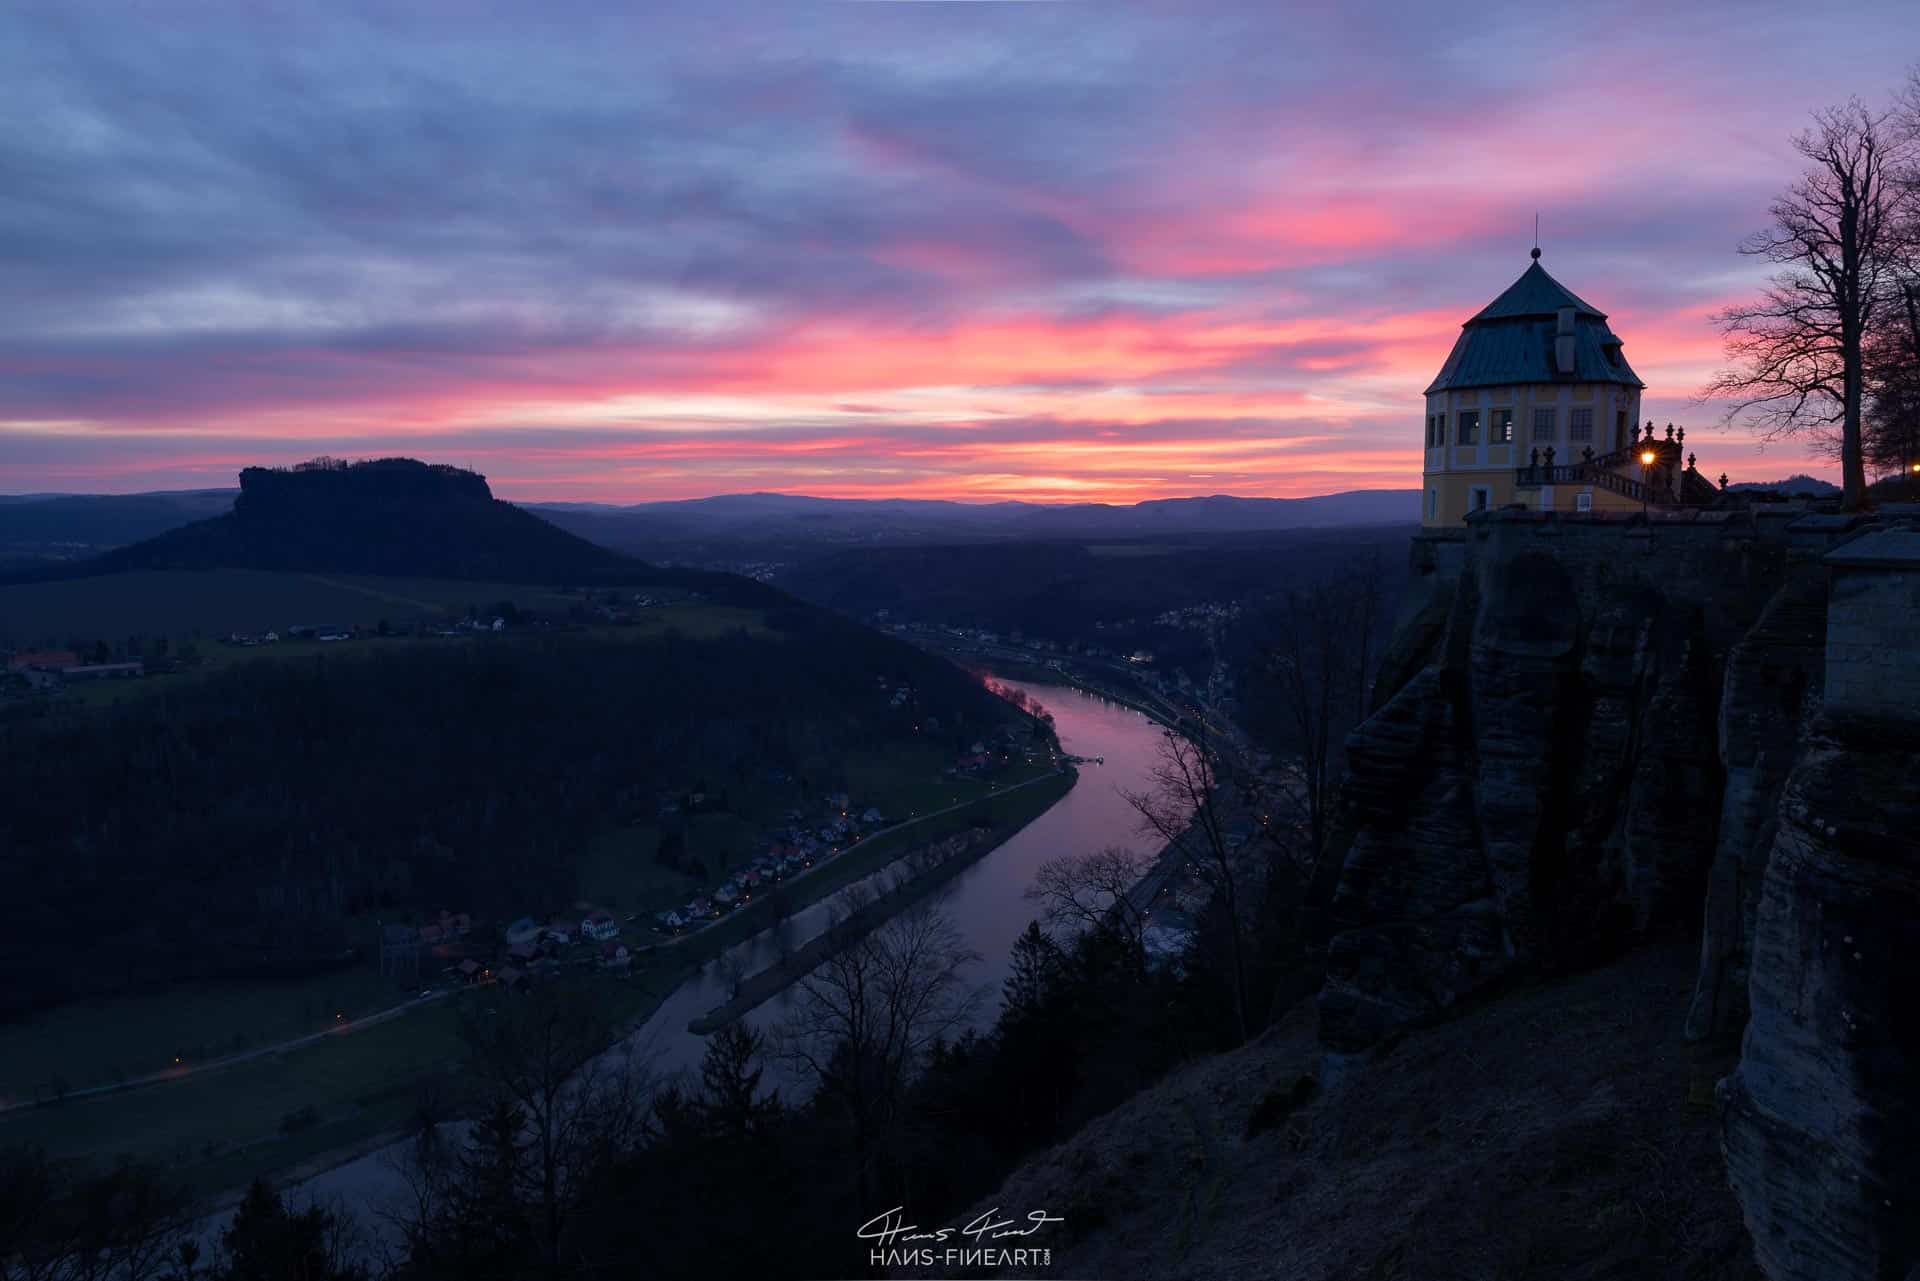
pixel 1586 730
pixel 1548 779
pixel 1822 1115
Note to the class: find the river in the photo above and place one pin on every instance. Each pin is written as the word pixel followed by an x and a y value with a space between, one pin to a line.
pixel 987 902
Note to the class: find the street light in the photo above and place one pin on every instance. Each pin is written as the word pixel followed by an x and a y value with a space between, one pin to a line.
pixel 1646 467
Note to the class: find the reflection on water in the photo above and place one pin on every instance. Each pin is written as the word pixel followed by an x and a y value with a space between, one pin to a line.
pixel 988 900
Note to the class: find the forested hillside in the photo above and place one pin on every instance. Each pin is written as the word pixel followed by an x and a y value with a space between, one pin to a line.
pixel 1063 589
pixel 234 824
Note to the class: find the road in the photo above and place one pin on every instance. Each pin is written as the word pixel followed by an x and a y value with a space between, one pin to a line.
pixel 180 1072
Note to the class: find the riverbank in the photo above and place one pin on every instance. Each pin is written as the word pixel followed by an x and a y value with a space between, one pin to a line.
pixel 867 917
pixel 1039 673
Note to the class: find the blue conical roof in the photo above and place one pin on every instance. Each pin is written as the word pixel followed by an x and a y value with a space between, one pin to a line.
pixel 1536 294
pixel 1510 340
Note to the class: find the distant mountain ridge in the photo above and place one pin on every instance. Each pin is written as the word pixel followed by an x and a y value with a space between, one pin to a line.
pixel 786 527
pixel 389 516
pixel 265 532
pixel 1213 513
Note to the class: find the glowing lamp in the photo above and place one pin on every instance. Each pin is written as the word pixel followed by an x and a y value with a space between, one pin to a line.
pixel 1646 458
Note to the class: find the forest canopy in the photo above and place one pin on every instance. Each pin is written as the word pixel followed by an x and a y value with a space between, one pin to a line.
pixel 231 825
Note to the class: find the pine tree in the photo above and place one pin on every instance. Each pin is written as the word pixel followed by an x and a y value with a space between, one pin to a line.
pixel 730 1074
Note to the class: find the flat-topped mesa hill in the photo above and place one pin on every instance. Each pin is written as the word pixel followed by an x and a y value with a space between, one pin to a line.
pixel 396 516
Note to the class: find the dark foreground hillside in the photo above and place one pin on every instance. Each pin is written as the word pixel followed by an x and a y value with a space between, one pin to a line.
pixel 1565 1131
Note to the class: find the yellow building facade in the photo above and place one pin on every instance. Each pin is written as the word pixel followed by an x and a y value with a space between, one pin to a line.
pixel 1536 405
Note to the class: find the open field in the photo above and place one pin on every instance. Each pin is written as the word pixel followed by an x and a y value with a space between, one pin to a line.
pixel 99 1042
pixel 217 1130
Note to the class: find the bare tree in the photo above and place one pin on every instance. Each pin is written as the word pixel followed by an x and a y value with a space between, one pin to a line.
pixel 1183 808
pixel 1798 353
pixel 1317 659
pixel 1891 439
pixel 1094 892
pixel 122 1224
pixel 870 1014
pixel 564 1105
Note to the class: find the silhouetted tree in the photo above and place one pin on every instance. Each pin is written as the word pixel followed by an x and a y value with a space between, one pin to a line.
pixel 125 1223
pixel 730 1072
pixel 1094 891
pixel 1798 353
pixel 1183 808
pixel 867 1018
pixel 270 1241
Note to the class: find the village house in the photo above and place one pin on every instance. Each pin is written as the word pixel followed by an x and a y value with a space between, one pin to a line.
pixel 600 926
pixel 615 956
pixel 523 930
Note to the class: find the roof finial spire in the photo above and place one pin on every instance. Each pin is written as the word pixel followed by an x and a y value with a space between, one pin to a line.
pixel 1536 237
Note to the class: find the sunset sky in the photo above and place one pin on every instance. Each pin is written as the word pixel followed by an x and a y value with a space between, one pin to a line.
pixel 1078 250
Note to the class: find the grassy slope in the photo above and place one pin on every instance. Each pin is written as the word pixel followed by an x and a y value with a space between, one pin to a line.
pixel 1562 1131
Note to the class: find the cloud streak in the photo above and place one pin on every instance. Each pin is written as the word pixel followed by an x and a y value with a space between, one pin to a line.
pixel 976 251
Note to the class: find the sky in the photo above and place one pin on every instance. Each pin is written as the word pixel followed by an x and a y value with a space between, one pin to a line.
pixel 1071 251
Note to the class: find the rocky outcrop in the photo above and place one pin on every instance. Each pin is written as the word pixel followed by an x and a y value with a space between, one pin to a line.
pixel 1614 726
pixel 1417 878
pixel 1773 683
pixel 1549 782
pixel 1822 1116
